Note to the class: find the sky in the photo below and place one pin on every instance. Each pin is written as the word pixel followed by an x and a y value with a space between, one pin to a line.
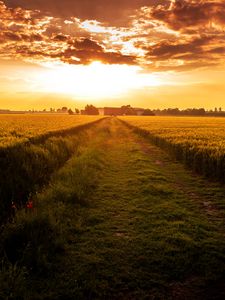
pixel 146 53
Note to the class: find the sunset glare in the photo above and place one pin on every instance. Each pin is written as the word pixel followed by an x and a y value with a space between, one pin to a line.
pixel 94 81
pixel 147 53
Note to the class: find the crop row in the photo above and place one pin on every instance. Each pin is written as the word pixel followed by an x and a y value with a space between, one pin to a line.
pixel 25 167
pixel 21 128
pixel 197 142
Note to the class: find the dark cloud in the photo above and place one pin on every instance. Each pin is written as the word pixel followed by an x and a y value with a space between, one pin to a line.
pixel 87 44
pixel 167 50
pixel 60 37
pixel 182 14
pixel 43 38
pixel 115 12
pixel 185 55
pixel 218 50
pixel 87 57
pixel 86 51
pixel 8 36
pixel 18 15
pixel 195 32
pixel 11 36
pixel 183 67
pixel 163 35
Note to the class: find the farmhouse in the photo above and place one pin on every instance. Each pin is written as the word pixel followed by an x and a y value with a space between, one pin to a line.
pixel 110 111
pixel 120 111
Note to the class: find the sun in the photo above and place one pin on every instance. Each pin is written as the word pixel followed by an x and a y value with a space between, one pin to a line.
pixel 94 81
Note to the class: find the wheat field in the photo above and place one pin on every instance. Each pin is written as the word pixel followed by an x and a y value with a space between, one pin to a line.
pixel 20 128
pixel 198 142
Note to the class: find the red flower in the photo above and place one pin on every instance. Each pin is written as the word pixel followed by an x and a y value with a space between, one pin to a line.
pixel 13 205
pixel 30 204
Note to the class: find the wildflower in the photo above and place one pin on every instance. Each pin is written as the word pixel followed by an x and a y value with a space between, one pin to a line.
pixel 13 205
pixel 30 204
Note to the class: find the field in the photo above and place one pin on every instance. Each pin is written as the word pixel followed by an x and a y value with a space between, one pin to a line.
pixel 101 212
pixel 198 142
pixel 32 147
pixel 20 128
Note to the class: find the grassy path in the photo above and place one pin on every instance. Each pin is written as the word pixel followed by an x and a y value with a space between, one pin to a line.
pixel 147 232
pixel 150 230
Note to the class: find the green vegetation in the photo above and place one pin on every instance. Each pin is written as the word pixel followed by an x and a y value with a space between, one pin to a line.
pixel 33 243
pixel 197 142
pixel 26 166
pixel 120 220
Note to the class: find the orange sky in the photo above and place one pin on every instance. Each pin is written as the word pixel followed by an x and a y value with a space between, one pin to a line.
pixel 147 53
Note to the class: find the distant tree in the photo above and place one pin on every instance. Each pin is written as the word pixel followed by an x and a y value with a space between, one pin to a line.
pixel 173 111
pixel 64 109
pixel 177 112
pixel 201 111
pixel 91 110
pixel 128 110
pixel 77 111
pixel 148 112
pixel 70 112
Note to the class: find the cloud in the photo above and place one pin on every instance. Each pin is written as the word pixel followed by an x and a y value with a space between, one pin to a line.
pixel 8 36
pixel 87 44
pixel 185 54
pixel 116 12
pixel 159 36
pixel 181 35
pixel 59 37
pixel 184 14
pixel 167 49
pixel 85 51
pixel 33 35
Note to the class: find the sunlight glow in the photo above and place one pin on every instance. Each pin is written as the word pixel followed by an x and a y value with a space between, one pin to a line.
pixel 94 81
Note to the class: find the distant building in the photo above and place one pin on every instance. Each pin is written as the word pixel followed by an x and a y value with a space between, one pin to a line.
pixel 139 111
pixel 101 111
pixel 63 110
pixel 110 111
pixel 119 111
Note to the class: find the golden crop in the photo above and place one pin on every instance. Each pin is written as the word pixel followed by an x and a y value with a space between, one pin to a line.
pixel 19 128
pixel 197 141
pixel 32 148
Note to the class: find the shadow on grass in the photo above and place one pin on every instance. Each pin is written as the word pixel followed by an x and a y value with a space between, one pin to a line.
pixel 35 241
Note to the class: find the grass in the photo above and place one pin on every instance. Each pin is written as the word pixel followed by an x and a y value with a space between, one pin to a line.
pixel 26 167
pixel 195 141
pixel 34 242
pixel 132 224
